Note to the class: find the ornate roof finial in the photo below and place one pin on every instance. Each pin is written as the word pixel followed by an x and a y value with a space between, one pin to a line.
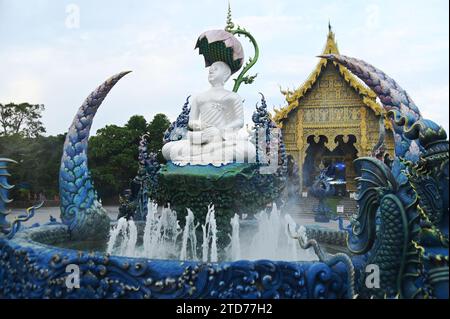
pixel 330 30
pixel 230 24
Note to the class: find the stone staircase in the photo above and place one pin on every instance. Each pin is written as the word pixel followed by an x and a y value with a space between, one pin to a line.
pixel 305 206
pixel 350 206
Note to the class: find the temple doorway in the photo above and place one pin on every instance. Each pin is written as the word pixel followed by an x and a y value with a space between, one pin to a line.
pixel 338 162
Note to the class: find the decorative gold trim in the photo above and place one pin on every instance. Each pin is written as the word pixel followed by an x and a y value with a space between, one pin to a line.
pixel 293 97
pixel 333 125
pixel 364 141
pixel 300 140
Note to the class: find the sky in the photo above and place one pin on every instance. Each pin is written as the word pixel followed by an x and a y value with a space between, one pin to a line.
pixel 56 52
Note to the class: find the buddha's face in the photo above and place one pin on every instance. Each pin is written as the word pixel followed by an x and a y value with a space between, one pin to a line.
pixel 219 73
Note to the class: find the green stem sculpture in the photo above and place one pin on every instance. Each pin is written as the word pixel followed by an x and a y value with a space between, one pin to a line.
pixel 242 78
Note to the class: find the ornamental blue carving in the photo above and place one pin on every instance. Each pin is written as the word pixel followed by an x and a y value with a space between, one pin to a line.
pixel 29 269
pixel 81 209
pixel 402 221
pixel 178 129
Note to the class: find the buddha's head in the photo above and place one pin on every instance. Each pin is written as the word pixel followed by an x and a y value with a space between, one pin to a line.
pixel 219 73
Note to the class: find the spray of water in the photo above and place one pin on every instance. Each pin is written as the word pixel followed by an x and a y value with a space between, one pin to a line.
pixel 235 248
pixel 161 232
pixel 189 237
pixel 209 245
pixel 131 239
pixel 272 240
pixel 269 238
pixel 120 228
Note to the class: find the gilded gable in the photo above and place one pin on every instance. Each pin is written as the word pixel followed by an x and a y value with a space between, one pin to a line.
pixel 332 105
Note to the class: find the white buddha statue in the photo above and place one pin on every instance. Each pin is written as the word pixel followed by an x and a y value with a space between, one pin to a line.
pixel 216 127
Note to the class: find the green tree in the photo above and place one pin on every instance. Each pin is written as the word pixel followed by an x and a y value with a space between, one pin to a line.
pixel 23 119
pixel 113 156
pixel 112 159
pixel 137 124
pixel 38 163
pixel 113 152
pixel 156 129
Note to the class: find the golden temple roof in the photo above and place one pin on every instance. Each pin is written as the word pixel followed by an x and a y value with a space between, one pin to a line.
pixel 293 97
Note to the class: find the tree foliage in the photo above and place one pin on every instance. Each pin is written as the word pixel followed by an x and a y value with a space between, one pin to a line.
pixel 38 164
pixel 156 130
pixel 23 119
pixel 112 159
pixel 113 152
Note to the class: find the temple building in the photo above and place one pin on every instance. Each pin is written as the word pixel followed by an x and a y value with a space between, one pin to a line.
pixel 330 120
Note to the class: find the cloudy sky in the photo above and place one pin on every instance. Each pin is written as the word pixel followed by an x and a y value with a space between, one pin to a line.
pixel 57 52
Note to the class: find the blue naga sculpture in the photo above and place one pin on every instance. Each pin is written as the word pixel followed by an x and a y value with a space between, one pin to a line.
pixel 4 188
pixel 7 228
pixel 321 189
pixel 178 128
pixel 134 203
pixel 81 209
pixel 410 244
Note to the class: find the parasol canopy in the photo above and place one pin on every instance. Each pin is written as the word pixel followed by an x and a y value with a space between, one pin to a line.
pixel 221 45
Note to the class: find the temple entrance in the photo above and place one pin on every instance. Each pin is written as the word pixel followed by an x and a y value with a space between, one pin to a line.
pixel 331 118
pixel 337 162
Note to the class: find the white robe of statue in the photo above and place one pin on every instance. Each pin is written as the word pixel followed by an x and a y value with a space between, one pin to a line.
pixel 216 134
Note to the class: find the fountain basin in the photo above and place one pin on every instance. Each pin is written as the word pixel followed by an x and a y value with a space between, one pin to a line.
pixel 32 266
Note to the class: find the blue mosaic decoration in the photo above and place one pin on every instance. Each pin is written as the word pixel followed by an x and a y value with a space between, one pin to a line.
pixel 10 229
pixel 17 223
pixel 178 129
pixel 134 204
pixel 5 187
pixel 273 138
pixel 322 189
pixel 38 270
pixel 81 209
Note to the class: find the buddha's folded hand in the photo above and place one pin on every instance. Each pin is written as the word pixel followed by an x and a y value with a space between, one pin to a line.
pixel 196 125
pixel 211 134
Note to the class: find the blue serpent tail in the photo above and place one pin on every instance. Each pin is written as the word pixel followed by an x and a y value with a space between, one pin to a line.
pixel 81 209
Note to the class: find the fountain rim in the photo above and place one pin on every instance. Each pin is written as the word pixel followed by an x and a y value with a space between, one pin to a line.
pixel 157 278
pixel 24 239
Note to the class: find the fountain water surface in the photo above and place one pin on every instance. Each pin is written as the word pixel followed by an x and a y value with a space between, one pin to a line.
pixel 265 237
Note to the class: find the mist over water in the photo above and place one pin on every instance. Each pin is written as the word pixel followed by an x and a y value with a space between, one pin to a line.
pixel 264 237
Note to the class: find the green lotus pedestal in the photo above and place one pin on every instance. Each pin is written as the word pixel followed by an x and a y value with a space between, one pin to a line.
pixel 237 188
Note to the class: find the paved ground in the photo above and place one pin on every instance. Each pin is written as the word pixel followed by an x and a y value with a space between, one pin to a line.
pixel 42 216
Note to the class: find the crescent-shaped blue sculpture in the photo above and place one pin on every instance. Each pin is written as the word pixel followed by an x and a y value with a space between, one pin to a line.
pixel 81 209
